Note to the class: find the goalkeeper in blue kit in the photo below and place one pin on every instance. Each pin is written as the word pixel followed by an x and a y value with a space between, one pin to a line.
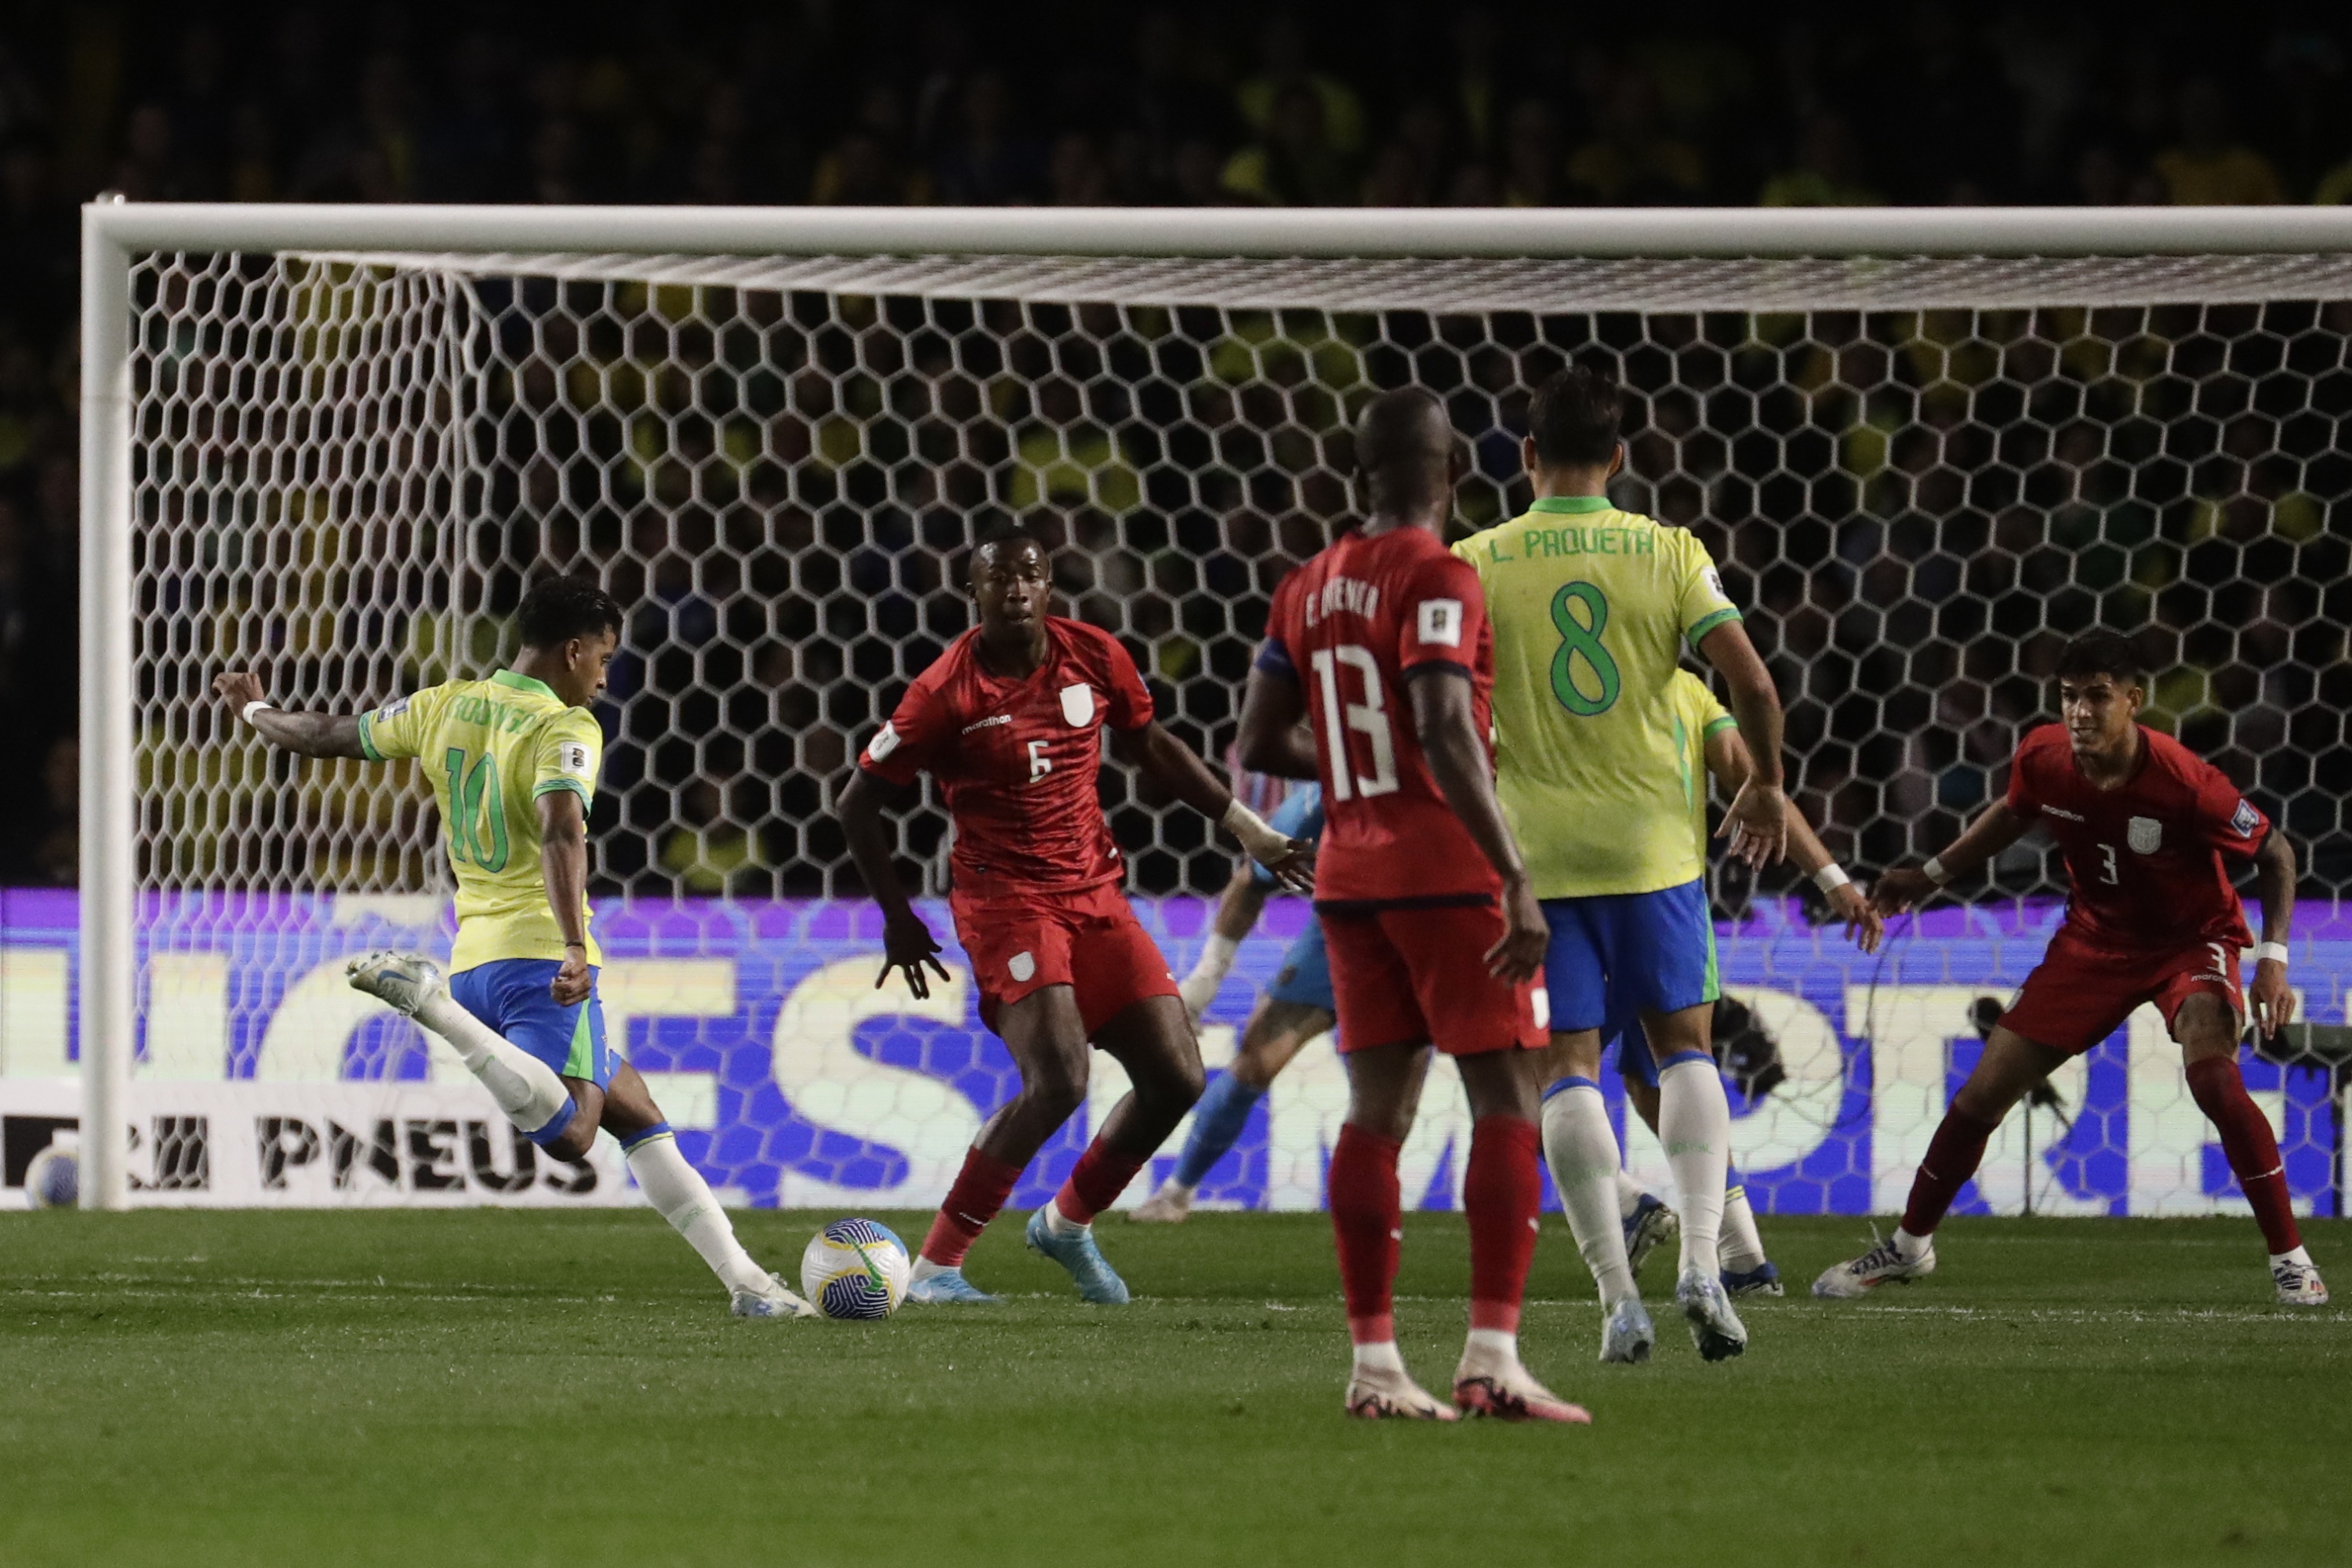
pixel 513 761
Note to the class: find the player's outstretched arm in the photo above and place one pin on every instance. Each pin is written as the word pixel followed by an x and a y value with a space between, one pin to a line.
pixel 907 946
pixel 1758 822
pixel 305 734
pixel 1971 852
pixel 564 867
pixel 1175 767
pixel 1445 724
pixel 2269 996
pixel 1726 760
pixel 1238 908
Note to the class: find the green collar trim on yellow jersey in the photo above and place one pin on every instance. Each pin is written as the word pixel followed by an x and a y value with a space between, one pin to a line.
pixel 523 683
pixel 1572 504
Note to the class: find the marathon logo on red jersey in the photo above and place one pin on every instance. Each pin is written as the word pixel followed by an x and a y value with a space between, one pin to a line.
pixel 993 720
pixel 1350 595
pixel 2245 820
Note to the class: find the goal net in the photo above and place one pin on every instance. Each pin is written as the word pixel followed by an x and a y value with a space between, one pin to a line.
pixel 347 454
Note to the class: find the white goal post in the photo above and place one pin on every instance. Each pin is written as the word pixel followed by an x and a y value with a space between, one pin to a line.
pixel 1529 262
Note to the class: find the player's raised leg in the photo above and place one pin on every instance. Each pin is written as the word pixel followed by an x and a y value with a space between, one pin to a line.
pixel 1152 1040
pixel 530 1092
pixel 2207 1029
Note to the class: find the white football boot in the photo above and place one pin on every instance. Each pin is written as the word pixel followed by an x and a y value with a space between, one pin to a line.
pixel 1169 1206
pixel 401 981
pixel 1714 1328
pixel 779 1300
pixel 1499 1386
pixel 2298 1282
pixel 1376 1395
pixel 1627 1336
pixel 1857 1277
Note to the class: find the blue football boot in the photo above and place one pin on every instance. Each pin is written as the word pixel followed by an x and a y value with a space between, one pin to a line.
pixel 1761 1280
pixel 1097 1281
pixel 947 1286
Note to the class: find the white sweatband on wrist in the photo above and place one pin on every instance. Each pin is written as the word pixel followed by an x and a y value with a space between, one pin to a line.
pixel 255 706
pixel 1831 877
pixel 1216 958
pixel 1264 844
pixel 2270 952
pixel 1935 872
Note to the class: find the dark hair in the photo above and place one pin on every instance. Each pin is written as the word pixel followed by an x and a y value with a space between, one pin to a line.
pixel 2101 652
pixel 1575 417
pixel 557 609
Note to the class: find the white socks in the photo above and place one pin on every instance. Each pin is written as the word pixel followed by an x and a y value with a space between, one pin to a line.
pixel 1491 1347
pixel 1580 1147
pixel 1630 1194
pixel 1059 1224
pixel 2297 1255
pixel 1908 1244
pixel 684 1199
pixel 1740 1249
pixel 525 1087
pixel 1695 1124
pixel 1379 1356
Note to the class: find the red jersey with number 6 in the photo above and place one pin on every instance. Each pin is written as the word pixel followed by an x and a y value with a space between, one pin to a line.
pixel 1017 760
pixel 1352 625
pixel 2150 859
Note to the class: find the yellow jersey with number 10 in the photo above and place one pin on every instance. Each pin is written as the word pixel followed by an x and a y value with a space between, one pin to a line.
pixel 491 749
pixel 1591 607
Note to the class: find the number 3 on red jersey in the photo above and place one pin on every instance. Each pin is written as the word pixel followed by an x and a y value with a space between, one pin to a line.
pixel 1368 719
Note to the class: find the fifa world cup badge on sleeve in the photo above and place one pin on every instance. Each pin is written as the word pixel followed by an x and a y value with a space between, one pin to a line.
pixel 1441 623
pixel 572 758
pixel 2145 834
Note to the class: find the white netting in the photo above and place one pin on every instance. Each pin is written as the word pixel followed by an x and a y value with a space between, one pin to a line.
pixel 1920 476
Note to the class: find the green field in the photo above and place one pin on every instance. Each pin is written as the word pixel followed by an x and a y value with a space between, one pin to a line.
pixel 503 1387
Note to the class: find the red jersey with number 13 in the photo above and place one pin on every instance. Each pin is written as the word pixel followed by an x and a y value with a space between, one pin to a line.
pixel 2150 859
pixel 1350 625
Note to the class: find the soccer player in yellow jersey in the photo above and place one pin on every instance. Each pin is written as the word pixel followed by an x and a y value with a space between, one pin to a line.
pixel 1712 747
pixel 512 761
pixel 1591 607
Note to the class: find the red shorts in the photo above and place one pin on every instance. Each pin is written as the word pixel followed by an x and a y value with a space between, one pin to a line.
pixel 1088 940
pixel 2080 994
pixel 1418 977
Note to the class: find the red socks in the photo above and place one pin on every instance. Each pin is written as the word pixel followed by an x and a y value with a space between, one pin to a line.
pixel 1367 1214
pixel 2252 1148
pixel 1101 1174
pixel 1953 1155
pixel 1500 1194
pixel 979 1190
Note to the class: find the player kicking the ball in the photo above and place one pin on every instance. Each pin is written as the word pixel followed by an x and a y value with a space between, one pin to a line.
pixel 1382 643
pixel 513 762
pixel 2148 830
pixel 1008 721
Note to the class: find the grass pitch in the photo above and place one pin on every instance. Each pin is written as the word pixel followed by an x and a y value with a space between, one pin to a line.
pixel 515 1388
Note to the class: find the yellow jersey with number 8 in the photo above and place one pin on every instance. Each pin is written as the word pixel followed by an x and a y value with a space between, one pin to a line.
pixel 491 749
pixel 1591 607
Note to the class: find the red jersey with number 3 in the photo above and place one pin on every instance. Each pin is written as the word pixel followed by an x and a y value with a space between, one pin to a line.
pixel 2148 860
pixel 1352 625
pixel 1017 759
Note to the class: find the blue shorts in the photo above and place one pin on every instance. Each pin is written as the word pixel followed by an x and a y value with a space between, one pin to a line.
pixel 1305 978
pixel 510 995
pixel 1620 954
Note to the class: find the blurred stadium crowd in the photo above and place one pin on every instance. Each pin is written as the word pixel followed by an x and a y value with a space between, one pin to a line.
pixel 1399 103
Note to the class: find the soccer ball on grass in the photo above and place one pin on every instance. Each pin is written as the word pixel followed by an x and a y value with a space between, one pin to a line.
pixel 856 1268
pixel 53 1178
